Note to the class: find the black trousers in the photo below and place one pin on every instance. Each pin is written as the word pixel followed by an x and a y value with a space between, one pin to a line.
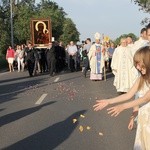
pixel 86 65
pixel 109 65
pixel 30 65
pixel 72 63
pixel 52 66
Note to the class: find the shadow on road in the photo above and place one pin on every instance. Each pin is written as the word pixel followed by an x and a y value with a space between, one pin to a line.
pixel 49 138
pixel 2 109
pixel 109 75
pixel 13 79
pixel 9 91
pixel 21 78
pixel 20 114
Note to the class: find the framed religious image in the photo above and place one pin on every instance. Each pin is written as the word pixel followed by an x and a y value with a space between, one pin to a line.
pixel 41 32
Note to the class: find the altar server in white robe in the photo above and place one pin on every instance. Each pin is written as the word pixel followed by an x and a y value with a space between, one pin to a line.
pixel 122 67
pixel 141 42
pixel 136 46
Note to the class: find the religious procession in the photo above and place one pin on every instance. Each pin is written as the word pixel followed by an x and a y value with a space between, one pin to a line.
pixel 128 62
pixel 59 92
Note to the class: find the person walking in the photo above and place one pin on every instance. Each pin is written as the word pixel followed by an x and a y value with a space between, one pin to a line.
pixel 122 67
pixel 96 59
pixel 30 59
pixel 110 51
pixel 85 52
pixel 51 59
pixel 10 56
pixel 20 58
pixel 72 56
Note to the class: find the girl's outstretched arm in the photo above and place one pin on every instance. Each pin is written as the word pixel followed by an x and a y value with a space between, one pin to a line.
pixel 100 104
pixel 116 110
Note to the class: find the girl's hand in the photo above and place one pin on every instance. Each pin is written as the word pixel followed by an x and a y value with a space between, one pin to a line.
pixel 116 110
pixel 131 124
pixel 100 104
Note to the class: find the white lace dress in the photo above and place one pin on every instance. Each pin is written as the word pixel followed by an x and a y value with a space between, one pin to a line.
pixel 142 140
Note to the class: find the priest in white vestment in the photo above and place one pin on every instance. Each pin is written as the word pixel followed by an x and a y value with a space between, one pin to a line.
pixel 130 42
pixel 122 66
pixel 96 59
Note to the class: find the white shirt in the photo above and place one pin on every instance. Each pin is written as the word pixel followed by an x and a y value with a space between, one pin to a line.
pixel 72 49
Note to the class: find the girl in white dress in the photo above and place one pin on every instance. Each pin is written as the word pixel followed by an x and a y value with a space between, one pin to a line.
pixel 142 86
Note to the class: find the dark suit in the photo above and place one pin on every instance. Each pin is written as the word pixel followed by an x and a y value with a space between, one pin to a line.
pixel 51 59
pixel 30 59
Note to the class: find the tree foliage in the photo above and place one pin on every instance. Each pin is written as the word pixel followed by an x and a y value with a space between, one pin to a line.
pixel 144 6
pixel 51 10
pixel 24 11
pixel 117 41
pixel 69 31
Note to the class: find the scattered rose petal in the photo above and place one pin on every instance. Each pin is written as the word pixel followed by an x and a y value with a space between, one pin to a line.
pixel 100 133
pixel 74 120
pixel 81 128
pixel 82 116
pixel 88 128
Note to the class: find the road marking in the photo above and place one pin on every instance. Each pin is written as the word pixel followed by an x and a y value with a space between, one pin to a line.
pixel 56 79
pixel 40 100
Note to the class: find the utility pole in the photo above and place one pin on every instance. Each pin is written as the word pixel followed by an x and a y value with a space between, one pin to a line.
pixel 11 24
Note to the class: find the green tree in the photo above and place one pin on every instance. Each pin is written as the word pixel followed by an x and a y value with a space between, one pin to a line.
pixel 49 9
pixel 4 38
pixel 23 11
pixel 4 28
pixel 134 37
pixel 70 32
pixel 117 41
pixel 22 15
pixel 144 6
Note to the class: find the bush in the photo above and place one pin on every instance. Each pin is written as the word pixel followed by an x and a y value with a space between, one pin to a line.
pixel 3 63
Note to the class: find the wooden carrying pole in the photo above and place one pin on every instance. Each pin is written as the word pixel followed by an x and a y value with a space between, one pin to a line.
pixel 104 65
pixel 104 72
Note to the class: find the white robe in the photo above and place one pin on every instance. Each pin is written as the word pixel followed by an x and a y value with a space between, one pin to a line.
pixel 92 59
pixel 139 44
pixel 142 138
pixel 122 68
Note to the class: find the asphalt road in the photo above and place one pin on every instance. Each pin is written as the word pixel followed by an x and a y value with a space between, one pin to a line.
pixel 46 113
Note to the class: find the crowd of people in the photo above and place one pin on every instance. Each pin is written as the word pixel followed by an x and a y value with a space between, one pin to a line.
pixel 129 62
pixel 51 59
pixel 57 57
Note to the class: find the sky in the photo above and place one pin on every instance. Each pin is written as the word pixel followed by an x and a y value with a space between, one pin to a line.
pixel 109 17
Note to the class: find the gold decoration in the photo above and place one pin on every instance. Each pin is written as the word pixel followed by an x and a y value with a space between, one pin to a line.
pixel 44 29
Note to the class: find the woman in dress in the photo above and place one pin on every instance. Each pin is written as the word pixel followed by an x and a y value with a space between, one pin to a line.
pixel 10 56
pixel 142 86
